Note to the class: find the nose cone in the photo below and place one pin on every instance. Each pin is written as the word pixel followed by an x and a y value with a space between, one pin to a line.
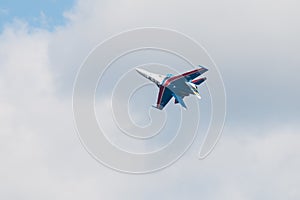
pixel 142 72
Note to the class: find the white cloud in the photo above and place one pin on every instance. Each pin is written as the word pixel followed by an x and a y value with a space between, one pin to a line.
pixel 244 165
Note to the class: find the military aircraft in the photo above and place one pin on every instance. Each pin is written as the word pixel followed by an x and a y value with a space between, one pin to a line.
pixel 175 86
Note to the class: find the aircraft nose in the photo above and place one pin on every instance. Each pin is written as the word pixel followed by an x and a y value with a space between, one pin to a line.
pixel 141 71
pixel 138 70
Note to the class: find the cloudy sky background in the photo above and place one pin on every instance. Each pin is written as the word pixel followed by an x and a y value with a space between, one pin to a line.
pixel 255 45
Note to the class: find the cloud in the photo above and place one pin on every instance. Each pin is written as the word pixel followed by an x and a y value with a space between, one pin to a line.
pixel 255 47
pixel 244 165
pixel 40 152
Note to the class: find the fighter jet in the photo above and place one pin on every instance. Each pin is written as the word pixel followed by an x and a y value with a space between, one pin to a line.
pixel 177 86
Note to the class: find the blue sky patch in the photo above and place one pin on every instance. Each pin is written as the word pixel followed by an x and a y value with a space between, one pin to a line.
pixel 43 14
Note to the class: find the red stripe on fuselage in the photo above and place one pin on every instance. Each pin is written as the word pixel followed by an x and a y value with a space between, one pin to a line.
pixel 160 94
pixel 174 78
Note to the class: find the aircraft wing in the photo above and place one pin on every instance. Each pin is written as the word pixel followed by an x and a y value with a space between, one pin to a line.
pixel 164 97
pixel 187 76
pixel 190 75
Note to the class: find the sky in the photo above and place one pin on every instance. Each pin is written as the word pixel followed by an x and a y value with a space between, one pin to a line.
pixel 255 45
pixel 46 14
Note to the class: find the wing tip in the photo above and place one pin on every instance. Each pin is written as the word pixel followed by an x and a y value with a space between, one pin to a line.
pixel 204 68
pixel 157 106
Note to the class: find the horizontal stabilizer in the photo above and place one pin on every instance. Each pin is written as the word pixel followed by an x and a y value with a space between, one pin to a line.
pixel 198 81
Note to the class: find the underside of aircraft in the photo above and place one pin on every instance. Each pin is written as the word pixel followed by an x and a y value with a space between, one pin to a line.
pixel 177 86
